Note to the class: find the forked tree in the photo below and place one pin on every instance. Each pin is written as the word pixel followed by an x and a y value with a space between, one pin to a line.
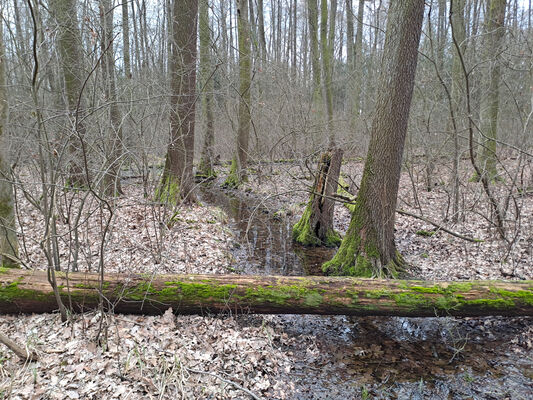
pixel 8 236
pixel 177 182
pixel 368 249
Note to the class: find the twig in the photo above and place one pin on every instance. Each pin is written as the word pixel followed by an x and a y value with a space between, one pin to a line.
pixel 252 395
pixel 439 227
pixel 23 353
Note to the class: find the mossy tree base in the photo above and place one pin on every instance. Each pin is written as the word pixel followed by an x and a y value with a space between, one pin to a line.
pixel 24 291
pixel 315 227
pixel 235 177
pixel 359 253
pixel 168 191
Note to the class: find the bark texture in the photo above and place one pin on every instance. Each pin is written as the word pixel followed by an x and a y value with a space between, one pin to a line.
pixel 30 292
pixel 368 249
pixel 206 168
pixel 8 233
pixel 315 227
pixel 177 182
pixel 490 105
pixel 112 186
pixel 238 170
pixel 71 57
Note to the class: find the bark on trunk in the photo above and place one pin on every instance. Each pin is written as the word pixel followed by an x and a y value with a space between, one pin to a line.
pixel 206 168
pixel 8 233
pixel 315 227
pixel 177 181
pixel 29 292
pixel 70 52
pixel 490 105
pixel 238 168
pixel 368 249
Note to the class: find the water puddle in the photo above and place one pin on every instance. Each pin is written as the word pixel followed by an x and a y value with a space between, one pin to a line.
pixel 265 244
pixel 390 357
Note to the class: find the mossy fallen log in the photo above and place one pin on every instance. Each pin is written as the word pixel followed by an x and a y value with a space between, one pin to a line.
pixel 24 291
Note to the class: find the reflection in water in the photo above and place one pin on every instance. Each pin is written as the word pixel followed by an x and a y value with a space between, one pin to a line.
pixel 266 245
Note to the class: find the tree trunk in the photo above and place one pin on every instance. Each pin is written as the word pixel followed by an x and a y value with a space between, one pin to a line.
pixel 206 168
pixel 111 181
pixel 70 52
pixel 368 249
pixel 261 29
pixel 177 181
pixel 312 6
pixel 490 106
pixel 238 167
pixel 126 39
pixel 8 233
pixel 315 227
pixel 457 101
pixel 358 61
pixel 29 292
pixel 327 44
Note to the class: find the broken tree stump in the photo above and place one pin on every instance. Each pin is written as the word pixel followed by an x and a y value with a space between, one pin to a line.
pixel 315 227
pixel 23 291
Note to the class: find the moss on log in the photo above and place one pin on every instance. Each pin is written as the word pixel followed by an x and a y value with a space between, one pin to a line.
pixel 29 292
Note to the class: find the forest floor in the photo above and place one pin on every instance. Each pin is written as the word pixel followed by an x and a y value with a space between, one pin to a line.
pixel 274 356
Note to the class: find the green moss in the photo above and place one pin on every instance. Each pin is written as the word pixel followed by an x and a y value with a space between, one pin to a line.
pixel 524 296
pixel 12 292
pixel 4 270
pixel 168 190
pixel 232 181
pixel 425 233
pixel 281 294
pixel 343 191
pixel 377 294
pixel 194 290
pixel 313 299
pixel 302 232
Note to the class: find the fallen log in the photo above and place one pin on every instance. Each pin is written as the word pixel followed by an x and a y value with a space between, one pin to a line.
pixel 23 291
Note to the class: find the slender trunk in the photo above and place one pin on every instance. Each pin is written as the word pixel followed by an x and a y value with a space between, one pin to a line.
pixel 458 124
pixel 261 29
pixel 327 44
pixel 238 169
pixel 8 233
pixel 111 182
pixel 70 52
pixel 490 106
pixel 126 39
pixel 358 60
pixel 206 168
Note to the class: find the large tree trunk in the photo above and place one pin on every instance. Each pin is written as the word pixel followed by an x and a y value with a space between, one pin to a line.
pixel 29 292
pixel 368 249
pixel 238 167
pixel 177 181
pixel 8 233
pixel 315 227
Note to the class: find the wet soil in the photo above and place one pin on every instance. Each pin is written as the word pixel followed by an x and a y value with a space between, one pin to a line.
pixel 377 357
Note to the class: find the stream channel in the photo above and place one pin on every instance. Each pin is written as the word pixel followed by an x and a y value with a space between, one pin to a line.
pixel 376 357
